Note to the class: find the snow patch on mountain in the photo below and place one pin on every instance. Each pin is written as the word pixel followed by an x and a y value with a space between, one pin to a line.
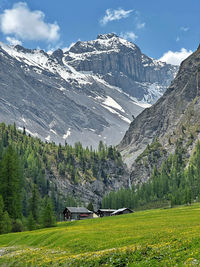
pixel 109 101
pixel 117 113
pixel 153 91
pixel 23 120
pixel 68 133
pixel 48 138
pixel 28 132
pixel 51 130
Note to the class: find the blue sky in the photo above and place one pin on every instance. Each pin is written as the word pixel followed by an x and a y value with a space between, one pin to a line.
pixel 156 26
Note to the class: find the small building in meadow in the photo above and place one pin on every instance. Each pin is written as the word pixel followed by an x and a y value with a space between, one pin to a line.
pixel 122 211
pixel 77 213
pixel 105 212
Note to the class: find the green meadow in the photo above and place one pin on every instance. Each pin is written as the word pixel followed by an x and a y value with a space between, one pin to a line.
pixel 162 237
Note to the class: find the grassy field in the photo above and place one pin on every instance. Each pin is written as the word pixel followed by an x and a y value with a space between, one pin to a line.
pixel 162 237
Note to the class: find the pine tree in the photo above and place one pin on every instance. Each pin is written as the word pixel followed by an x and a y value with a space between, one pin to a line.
pixel 188 196
pixel 24 131
pixel 7 223
pixel 48 217
pixel 110 152
pixel 34 204
pixel 1 214
pixel 31 224
pixel 10 183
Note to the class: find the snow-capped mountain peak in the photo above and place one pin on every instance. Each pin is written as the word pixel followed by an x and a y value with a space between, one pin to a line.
pixel 88 93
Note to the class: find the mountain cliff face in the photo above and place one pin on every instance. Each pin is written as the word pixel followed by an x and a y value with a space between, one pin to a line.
pixel 122 64
pixel 86 94
pixel 173 119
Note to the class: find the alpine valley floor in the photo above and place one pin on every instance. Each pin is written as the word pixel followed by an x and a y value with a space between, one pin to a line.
pixel 162 237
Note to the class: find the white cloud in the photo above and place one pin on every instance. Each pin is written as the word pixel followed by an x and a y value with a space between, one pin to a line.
pixel 177 39
pixel 175 58
pixel 13 41
pixel 25 24
pixel 129 36
pixel 115 14
pixel 184 29
pixel 140 25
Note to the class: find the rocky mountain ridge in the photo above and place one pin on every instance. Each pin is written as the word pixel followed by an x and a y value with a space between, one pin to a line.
pixel 71 96
pixel 173 119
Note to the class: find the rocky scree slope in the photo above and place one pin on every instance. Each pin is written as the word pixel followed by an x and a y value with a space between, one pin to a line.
pixel 173 120
pixel 86 94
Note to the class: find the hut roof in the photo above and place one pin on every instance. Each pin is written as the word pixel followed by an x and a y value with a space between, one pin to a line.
pixel 78 210
pixel 121 210
pixel 106 210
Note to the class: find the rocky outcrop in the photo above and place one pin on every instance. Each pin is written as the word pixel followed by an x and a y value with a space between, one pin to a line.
pixel 174 117
pixel 93 191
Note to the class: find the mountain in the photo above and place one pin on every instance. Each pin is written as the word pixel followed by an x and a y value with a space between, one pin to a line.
pixel 88 93
pixel 173 121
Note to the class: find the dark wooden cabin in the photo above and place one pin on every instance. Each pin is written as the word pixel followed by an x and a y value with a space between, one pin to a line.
pixel 77 213
pixel 122 211
pixel 105 212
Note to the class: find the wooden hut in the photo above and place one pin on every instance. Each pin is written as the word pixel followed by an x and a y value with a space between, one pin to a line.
pixel 122 211
pixel 105 212
pixel 77 213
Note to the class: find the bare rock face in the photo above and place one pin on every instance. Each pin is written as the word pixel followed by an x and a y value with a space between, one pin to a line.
pixel 93 191
pixel 174 117
pixel 122 64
